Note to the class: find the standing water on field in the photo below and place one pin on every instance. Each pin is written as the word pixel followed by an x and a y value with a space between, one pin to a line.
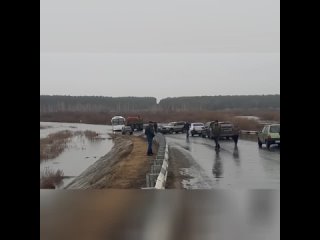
pixel 80 150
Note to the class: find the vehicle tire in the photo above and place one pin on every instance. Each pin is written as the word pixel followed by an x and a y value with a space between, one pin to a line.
pixel 131 133
pixel 192 134
pixel 259 143
pixel 171 131
pixel 203 136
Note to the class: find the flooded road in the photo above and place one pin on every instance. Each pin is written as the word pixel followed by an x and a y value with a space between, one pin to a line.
pixel 80 152
pixel 244 167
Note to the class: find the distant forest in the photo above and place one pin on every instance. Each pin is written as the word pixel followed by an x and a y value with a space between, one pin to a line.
pixel 56 103
pixel 95 104
pixel 221 102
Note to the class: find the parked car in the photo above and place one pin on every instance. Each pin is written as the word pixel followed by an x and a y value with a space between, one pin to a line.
pixel 207 131
pixel 269 135
pixel 196 128
pixel 226 130
pixel 172 127
pixel 126 129
pixel 162 128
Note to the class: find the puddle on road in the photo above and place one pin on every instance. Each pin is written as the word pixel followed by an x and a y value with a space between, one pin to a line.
pixel 80 152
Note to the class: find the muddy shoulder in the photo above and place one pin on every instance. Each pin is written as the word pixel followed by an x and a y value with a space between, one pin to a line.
pixel 178 161
pixel 124 167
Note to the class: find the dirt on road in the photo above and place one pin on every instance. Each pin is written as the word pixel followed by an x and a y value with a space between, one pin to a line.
pixel 177 161
pixel 131 170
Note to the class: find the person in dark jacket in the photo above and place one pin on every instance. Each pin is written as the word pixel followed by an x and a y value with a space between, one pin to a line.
pixel 149 132
pixel 235 135
pixel 216 130
pixel 187 128
pixel 155 125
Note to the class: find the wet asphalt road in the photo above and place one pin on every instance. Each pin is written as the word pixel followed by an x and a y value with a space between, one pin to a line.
pixel 244 167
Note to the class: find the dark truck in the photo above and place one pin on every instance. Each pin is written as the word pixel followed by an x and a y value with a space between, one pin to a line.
pixel 131 124
pixel 226 130
pixel 136 123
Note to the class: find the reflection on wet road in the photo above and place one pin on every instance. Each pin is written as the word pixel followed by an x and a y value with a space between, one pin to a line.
pixel 245 166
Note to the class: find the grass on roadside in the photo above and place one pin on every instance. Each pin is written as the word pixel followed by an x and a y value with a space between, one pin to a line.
pixel 49 179
pixel 54 144
pixel 91 135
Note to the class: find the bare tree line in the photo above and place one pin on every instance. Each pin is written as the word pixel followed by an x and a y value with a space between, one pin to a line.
pixel 58 103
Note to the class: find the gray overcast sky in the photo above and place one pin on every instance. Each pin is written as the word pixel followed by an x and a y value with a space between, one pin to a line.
pixel 161 48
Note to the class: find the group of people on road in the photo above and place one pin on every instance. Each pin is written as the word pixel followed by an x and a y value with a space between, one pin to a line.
pixel 152 129
pixel 216 131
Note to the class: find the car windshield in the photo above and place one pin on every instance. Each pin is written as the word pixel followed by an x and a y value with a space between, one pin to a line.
pixel 275 129
pixel 198 124
pixel 118 121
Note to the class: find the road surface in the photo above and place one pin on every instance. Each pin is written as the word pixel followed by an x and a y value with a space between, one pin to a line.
pixel 244 167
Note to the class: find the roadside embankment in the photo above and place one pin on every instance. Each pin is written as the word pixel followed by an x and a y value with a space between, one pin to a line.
pixel 124 167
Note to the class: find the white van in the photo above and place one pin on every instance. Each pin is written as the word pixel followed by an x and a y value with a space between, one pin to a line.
pixel 117 122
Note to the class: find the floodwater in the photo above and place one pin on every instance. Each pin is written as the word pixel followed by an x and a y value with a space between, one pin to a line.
pixel 80 152
pixel 262 122
pixel 249 117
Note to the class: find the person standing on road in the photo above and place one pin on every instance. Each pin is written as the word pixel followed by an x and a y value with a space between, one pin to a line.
pixel 186 128
pixel 149 132
pixel 235 136
pixel 155 125
pixel 216 130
